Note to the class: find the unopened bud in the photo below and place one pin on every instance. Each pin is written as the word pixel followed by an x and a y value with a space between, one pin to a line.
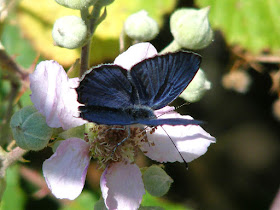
pixel 191 28
pixel 156 181
pixel 30 129
pixel 196 89
pixel 141 27
pixel 238 80
pixel 69 32
pixel 76 4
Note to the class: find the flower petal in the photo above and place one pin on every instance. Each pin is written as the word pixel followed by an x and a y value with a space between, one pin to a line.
pixel 191 141
pixel 65 171
pixel 54 96
pixel 122 186
pixel 135 54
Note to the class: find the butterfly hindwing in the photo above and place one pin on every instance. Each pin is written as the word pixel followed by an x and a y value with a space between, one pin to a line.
pixel 161 79
pixel 106 116
pixel 112 95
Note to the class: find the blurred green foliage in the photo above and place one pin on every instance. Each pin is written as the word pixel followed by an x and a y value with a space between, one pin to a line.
pixel 252 24
pixel 14 197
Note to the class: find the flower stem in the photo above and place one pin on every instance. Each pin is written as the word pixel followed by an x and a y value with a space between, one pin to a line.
pixel 92 24
pixel 172 47
pixel 85 58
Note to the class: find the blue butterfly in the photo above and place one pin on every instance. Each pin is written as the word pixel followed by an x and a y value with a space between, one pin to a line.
pixel 113 95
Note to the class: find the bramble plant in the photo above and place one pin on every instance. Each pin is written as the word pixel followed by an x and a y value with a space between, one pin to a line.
pixel 42 109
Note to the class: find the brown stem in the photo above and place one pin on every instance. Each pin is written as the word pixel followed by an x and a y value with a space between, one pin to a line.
pixel 9 158
pixel 16 74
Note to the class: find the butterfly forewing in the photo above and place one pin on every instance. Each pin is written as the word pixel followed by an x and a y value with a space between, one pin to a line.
pixel 161 79
pixel 112 95
pixel 106 86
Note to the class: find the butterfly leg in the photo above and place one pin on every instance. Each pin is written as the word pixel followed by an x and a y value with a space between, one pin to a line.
pixel 122 141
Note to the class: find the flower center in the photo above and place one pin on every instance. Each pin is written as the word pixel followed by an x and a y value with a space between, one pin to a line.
pixel 115 143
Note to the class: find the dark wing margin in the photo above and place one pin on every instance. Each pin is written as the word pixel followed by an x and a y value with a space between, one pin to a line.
pixel 161 79
pixel 169 121
pixel 107 86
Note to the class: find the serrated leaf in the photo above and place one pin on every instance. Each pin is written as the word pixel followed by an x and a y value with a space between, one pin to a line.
pixel 36 19
pixel 252 24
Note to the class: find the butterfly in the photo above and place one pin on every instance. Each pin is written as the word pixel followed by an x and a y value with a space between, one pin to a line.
pixel 112 95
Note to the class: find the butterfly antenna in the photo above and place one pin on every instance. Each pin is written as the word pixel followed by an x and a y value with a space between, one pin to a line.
pixel 186 103
pixel 186 164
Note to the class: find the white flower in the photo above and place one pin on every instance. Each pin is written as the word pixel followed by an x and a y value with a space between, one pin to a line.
pixel 54 95
pixel 121 182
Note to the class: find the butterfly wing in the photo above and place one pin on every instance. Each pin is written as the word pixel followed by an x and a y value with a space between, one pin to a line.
pixel 106 116
pixel 169 121
pixel 106 86
pixel 161 79
pixel 105 91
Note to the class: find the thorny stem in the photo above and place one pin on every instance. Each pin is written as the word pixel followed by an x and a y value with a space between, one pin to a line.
pixel 8 159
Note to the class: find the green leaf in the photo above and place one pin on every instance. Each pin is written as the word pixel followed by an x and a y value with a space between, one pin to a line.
pixel 13 191
pixel 17 46
pixel 252 24
pixel 150 201
pixel 85 201
pixel 156 181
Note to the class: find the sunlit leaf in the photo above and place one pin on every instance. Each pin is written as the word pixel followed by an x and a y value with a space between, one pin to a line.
pixel 252 24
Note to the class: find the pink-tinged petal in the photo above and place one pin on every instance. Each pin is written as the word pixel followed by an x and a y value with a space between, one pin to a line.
pixel 191 141
pixel 135 54
pixel 54 96
pixel 122 186
pixel 165 110
pixel 65 171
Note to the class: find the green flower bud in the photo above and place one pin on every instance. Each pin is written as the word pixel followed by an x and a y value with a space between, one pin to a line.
pixel 76 4
pixel 139 26
pixel 156 181
pixel 196 89
pixel 69 32
pixel 30 129
pixel 191 28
